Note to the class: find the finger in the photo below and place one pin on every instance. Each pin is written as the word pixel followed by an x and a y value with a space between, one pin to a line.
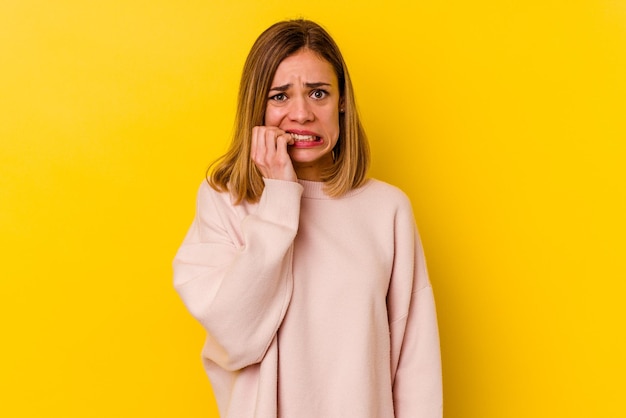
pixel 282 142
pixel 288 138
pixel 260 149
pixel 269 152
pixel 253 143
pixel 269 141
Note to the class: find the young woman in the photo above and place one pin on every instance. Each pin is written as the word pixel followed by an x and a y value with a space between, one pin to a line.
pixel 308 277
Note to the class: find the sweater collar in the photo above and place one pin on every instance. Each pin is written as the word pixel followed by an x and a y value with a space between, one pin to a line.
pixel 315 190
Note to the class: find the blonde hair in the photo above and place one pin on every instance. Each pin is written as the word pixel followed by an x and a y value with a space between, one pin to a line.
pixel 235 171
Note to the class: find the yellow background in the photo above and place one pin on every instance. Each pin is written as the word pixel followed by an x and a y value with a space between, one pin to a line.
pixel 504 121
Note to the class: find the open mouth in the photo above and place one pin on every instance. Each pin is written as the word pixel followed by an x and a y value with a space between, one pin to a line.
pixel 305 138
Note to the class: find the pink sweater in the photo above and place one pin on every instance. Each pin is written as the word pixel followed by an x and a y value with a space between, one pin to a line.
pixel 314 306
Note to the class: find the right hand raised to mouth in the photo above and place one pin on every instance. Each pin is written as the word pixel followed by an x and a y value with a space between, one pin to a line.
pixel 269 153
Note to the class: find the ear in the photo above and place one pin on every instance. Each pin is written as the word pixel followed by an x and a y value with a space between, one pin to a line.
pixel 342 107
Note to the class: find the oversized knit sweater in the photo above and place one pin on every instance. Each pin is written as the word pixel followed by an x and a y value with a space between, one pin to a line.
pixel 314 307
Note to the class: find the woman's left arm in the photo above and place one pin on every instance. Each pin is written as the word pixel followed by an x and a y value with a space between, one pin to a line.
pixel 415 353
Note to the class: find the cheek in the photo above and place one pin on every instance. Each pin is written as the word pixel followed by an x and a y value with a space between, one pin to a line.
pixel 272 117
pixel 333 124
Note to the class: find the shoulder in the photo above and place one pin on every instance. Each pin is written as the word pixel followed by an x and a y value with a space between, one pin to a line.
pixel 216 210
pixel 207 194
pixel 384 192
pixel 211 201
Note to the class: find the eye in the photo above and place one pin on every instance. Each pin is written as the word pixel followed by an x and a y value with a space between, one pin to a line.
pixel 280 97
pixel 319 94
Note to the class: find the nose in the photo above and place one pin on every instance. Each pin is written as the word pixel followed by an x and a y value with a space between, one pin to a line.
pixel 300 110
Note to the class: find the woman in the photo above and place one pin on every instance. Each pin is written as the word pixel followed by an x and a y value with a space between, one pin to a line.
pixel 308 277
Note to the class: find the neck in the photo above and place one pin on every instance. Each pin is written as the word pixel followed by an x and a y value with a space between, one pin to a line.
pixel 312 171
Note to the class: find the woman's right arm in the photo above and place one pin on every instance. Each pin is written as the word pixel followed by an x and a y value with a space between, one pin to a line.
pixel 239 288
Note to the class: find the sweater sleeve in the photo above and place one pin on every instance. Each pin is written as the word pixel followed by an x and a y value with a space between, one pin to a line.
pixel 234 272
pixel 415 353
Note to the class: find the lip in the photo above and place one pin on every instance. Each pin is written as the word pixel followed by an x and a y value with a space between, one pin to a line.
pixel 301 132
pixel 306 144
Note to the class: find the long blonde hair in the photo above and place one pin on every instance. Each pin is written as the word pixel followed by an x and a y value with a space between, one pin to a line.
pixel 235 171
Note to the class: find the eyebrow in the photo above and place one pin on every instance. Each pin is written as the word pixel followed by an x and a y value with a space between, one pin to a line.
pixel 286 87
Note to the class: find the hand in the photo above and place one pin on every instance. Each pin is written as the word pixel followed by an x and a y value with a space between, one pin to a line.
pixel 269 153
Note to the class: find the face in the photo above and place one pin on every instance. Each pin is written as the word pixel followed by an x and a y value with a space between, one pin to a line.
pixel 304 101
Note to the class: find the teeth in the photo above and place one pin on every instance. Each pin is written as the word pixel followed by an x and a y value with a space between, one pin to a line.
pixel 298 137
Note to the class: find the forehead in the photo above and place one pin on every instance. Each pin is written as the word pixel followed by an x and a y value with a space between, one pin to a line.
pixel 307 66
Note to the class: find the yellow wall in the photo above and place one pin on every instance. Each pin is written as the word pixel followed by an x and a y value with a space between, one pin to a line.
pixel 505 122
